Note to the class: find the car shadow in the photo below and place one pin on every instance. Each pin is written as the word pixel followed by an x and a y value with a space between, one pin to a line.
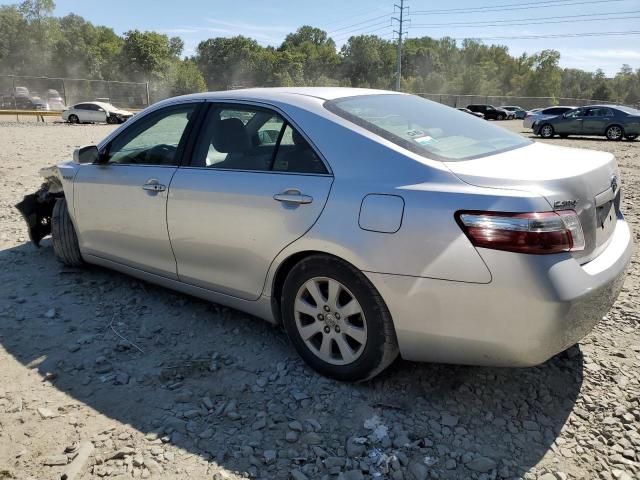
pixel 224 386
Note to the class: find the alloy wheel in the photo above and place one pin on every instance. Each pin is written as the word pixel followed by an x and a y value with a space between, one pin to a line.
pixel 614 133
pixel 546 131
pixel 330 321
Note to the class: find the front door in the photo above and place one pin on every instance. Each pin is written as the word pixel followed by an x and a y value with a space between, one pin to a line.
pixel 570 123
pixel 120 203
pixel 255 185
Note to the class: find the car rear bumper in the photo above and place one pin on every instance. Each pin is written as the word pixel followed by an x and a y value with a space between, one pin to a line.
pixel 535 306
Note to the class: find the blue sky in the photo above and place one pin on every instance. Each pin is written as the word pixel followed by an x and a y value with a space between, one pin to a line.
pixel 269 21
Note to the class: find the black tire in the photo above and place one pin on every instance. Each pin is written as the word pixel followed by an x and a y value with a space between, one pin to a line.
pixel 631 138
pixel 63 235
pixel 500 116
pixel 564 135
pixel 614 133
pixel 74 119
pixel 381 347
pixel 546 131
pixel 112 120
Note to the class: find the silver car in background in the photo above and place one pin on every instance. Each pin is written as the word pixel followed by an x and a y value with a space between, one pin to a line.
pixel 542 114
pixel 369 223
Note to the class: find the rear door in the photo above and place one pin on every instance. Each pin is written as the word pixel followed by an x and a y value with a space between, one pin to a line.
pixel 120 205
pixel 596 120
pixel 255 185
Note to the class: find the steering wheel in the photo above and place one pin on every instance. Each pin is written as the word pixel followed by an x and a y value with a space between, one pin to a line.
pixel 163 152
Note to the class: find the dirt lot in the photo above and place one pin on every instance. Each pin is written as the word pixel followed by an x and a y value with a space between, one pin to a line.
pixel 208 392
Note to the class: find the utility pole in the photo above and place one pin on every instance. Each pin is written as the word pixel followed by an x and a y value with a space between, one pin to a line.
pixel 400 33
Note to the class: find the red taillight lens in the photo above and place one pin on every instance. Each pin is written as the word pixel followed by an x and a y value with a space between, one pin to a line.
pixel 535 233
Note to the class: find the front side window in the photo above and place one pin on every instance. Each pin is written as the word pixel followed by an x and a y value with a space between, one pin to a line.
pixel 426 128
pixel 254 139
pixel 578 112
pixel 152 140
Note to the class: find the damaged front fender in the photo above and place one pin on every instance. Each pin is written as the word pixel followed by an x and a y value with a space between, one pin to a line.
pixel 36 208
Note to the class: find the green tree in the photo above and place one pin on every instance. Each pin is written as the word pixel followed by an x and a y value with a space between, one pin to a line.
pixel 228 62
pixel 147 55
pixel 187 78
pixel 369 61
pixel 317 50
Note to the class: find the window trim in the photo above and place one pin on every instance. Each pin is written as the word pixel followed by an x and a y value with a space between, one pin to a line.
pixel 185 139
pixel 223 103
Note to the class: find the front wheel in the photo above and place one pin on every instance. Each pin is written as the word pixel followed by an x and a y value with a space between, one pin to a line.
pixel 74 119
pixel 614 133
pixel 111 120
pixel 500 116
pixel 336 319
pixel 546 131
pixel 63 235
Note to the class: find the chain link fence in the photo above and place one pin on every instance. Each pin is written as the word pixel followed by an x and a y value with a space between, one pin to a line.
pixel 526 103
pixel 44 93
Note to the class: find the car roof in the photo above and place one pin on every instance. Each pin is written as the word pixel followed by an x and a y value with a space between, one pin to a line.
pixel 323 93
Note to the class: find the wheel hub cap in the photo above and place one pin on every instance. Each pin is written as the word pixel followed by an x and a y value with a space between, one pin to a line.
pixel 330 321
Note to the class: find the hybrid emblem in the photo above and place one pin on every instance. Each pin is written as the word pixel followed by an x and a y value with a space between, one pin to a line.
pixel 562 204
pixel 614 183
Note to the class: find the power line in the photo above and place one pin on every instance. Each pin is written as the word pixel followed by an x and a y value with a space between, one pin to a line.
pixel 494 23
pixel 524 23
pixel 360 30
pixel 559 35
pixel 511 7
pixel 346 17
pixel 359 23
pixel 341 38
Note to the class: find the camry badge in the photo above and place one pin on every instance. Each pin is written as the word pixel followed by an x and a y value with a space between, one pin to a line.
pixel 561 204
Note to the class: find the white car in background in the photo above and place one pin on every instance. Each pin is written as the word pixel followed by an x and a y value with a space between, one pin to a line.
pixel 93 112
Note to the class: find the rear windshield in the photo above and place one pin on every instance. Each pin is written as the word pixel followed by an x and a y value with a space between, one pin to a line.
pixel 425 127
pixel 628 110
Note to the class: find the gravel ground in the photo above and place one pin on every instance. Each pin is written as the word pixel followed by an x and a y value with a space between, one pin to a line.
pixel 208 392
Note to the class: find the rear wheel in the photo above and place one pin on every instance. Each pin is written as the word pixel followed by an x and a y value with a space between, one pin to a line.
pixel 63 235
pixel 336 319
pixel 631 138
pixel 614 133
pixel 546 131
pixel 74 119
pixel 564 135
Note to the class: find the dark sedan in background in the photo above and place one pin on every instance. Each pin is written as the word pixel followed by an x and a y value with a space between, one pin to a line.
pixel 612 121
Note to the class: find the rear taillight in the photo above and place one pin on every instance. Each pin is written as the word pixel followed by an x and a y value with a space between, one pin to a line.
pixel 535 233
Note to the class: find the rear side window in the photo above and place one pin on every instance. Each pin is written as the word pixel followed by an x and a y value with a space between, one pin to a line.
pixel 427 128
pixel 254 139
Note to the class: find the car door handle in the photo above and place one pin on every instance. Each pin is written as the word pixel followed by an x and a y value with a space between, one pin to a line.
pixel 154 186
pixel 293 196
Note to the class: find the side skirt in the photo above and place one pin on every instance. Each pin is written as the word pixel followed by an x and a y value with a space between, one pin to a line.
pixel 260 308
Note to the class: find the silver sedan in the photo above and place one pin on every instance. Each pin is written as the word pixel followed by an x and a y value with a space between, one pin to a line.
pixel 369 223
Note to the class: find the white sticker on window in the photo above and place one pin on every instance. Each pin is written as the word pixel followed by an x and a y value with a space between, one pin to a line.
pixel 426 140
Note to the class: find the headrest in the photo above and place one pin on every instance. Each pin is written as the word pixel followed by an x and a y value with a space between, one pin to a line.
pixel 298 140
pixel 230 136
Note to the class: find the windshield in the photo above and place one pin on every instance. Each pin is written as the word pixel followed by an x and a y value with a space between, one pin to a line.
pixel 426 128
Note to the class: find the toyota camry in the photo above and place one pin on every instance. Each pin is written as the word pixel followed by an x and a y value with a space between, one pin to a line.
pixel 370 224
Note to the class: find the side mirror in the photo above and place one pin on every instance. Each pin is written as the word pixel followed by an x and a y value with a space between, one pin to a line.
pixel 88 154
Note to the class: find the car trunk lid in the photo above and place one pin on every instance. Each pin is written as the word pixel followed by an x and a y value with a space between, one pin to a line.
pixel 563 176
